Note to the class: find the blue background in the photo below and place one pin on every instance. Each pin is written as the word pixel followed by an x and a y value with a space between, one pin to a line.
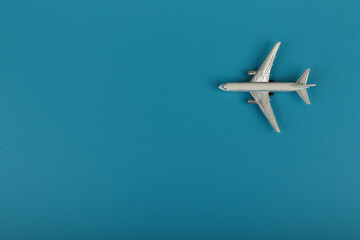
pixel 112 125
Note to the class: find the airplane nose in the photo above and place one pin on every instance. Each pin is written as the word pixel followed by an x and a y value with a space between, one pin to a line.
pixel 222 87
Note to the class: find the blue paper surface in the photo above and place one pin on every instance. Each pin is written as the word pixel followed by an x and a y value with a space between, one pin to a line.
pixel 112 125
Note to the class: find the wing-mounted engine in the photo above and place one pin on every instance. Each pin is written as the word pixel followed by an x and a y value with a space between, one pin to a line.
pixel 251 73
pixel 252 101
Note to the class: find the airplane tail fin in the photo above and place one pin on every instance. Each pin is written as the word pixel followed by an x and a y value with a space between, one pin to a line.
pixel 304 77
pixel 303 94
pixel 302 80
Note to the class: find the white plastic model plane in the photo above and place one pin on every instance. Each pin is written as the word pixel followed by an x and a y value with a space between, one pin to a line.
pixel 260 87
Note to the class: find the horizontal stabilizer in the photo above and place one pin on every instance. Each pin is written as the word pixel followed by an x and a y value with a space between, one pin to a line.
pixel 303 94
pixel 304 77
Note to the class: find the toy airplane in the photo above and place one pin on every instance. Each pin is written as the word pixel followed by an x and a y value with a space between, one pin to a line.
pixel 260 87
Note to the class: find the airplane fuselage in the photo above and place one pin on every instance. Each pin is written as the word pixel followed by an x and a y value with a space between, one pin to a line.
pixel 263 87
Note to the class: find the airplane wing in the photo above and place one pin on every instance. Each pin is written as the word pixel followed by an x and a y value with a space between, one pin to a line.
pixel 263 100
pixel 263 74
